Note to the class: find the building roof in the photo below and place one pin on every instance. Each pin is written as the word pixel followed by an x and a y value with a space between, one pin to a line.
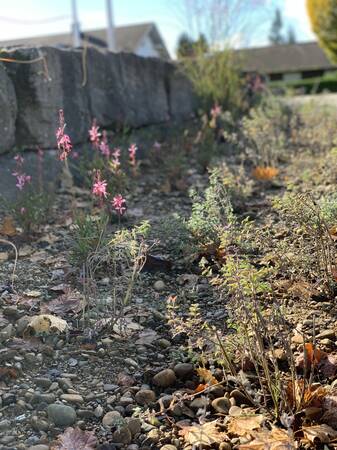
pixel 128 38
pixel 284 58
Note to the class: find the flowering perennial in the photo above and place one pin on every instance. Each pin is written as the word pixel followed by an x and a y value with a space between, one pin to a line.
pixel 119 204
pixel 63 140
pixel 21 178
pixel 103 146
pixel 94 135
pixel 132 153
pixel 99 186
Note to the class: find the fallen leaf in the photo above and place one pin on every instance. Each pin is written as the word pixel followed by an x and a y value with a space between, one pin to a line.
pixel 206 375
pixel 8 227
pixel 7 373
pixel 265 173
pixel 70 301
pixel 26 250
pixel 275 439
pixel 3 256
pixel 310 357
pixel 33 294
pixel 206 434
pixel 146 337
pixel 244 424
pixel 45 323
pixel 319 434
pixel 301 395
pixel 201 387
pixel 333 232
pixel 75 439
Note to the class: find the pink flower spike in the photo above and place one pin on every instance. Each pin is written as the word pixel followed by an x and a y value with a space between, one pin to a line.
pixel 116 154
pixel 132 152
pixel 119 204
pixel 99 186
pixel 94 134
pixel 21 180
pixel 103 146
pixel 19 160
pixel 63 140
pixel 157 145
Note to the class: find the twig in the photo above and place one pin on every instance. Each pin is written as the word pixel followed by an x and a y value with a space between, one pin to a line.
pixel 4 241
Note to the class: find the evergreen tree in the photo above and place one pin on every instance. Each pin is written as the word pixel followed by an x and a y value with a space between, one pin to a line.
pixel 185 46
pixel 275 35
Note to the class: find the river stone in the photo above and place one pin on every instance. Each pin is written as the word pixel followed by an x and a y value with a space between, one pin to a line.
pixel 221 405
pixel 183 370
pixel 145 397
pixel 112 418
pixel 61 415
pixel 122 435
pixel 165 378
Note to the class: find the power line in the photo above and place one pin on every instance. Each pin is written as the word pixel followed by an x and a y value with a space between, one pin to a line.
pixel 34 22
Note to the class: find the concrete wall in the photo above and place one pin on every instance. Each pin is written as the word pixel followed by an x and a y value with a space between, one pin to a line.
pixel 116 89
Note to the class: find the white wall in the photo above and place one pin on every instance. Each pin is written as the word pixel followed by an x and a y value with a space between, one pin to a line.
pixel 146 48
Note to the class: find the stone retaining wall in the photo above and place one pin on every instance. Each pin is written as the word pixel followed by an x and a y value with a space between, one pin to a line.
pixel 116 89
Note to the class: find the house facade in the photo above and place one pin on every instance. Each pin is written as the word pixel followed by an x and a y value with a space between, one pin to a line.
pixel 288 62
pixel 142 39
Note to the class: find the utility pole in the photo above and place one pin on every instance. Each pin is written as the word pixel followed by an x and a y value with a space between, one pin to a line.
pixel 110 31
pixel 75 25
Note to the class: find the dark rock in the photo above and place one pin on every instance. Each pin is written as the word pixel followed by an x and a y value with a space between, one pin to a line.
pixel 61 415
pixel 8 111
pixel 221 405
pixel 183 370
pixel 165 378
pixel 145 397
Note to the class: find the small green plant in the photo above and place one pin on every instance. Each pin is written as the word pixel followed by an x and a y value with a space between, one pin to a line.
pixel 210 213
pixel 308 250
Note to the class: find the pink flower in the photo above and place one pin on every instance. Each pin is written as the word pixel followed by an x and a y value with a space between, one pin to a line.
pixel 132 152
pixel 119 204
pixel 216 111
pixel 157 145
pixel 75 155
pixel 116 157
pixel 103 146
pixel 19 160
pixel 94 134
pixel 22 210
pixel 21 179
pixel 99 186
pixel 63 140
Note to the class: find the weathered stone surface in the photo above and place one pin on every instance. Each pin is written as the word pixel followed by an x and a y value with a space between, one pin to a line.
pixel 8 111
pixel 42 89
pixel 182 100
pixel 116 89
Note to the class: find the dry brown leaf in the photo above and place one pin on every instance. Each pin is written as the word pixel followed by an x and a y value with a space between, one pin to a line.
pixel 75 439
pixel 8 228
pixel 206 375
pixel 319 434
pixel 265 173
pixel 3 256
pixel 310 357
pixel 206 434
pixel 333 232
pixel 275 439
pixel 301 395
pixel 245 424
pixel 65 303
pixel 46 323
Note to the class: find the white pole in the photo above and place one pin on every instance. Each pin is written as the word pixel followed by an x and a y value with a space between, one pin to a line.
pixel 75 25
pixel 110 32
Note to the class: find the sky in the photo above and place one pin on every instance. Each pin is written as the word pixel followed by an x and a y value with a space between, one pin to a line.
pixel 23 18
